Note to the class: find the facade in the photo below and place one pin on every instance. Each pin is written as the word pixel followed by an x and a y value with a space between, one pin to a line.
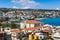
pixel 56 36
pixel 1 36
pixel 29 24
pixel 37 13
pixel 7 30
pixel 15 34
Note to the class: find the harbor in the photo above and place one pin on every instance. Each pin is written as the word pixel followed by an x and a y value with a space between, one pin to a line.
pixel 24 24
pixel 31 30
pixel 29 19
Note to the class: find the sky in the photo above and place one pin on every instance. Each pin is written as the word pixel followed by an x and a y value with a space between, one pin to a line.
pixel 30 4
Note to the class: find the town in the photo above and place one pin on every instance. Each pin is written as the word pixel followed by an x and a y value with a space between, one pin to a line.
pixel 21 24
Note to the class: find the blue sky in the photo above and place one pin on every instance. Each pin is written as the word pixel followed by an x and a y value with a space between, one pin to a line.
pixel 33 4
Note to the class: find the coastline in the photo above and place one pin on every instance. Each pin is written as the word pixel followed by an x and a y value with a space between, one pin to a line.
pixel 39 18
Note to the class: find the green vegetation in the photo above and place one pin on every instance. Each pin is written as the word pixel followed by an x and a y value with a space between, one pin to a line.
pixel 0 24
pixel 12 24
pixel 1 20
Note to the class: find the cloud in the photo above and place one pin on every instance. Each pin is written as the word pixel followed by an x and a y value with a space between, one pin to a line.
pixel 14 7
pixel 57 8
pixel 26 3
pixel 26 7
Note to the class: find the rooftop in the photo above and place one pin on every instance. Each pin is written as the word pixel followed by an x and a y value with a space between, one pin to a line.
pixel 33 28
pixel 16 30
pixel 33 22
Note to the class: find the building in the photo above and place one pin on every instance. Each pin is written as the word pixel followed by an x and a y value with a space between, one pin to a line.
pixel 7 30
pixel 1 35
pixel 56 35
pixel 30 23
pixel 37 13
pixel 15 34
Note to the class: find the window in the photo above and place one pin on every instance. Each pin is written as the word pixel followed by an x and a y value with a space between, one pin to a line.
pixel 37 24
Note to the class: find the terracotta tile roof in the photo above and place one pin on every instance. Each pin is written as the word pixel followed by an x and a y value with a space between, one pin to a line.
pixel 33 28
pixel 1 33
pixel 58 30
pixel 32 21
pixel 29 29
pixel 46 30
pixel 46 26
pixel 16 30
pixel 38 27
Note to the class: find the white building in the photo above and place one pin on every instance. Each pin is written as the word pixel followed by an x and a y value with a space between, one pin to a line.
pixel 7 30
pixel 56 35
pixel 15 34
pixel 48 25
pixel 30 24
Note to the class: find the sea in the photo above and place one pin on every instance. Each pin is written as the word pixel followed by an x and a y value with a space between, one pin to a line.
pixel 51 21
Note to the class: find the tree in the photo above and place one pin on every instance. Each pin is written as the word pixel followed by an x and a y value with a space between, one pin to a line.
pixel 13 25
pixel 1 20
pixel 0 24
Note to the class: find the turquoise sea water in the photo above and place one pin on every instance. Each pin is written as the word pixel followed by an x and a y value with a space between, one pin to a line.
pixel 51 21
